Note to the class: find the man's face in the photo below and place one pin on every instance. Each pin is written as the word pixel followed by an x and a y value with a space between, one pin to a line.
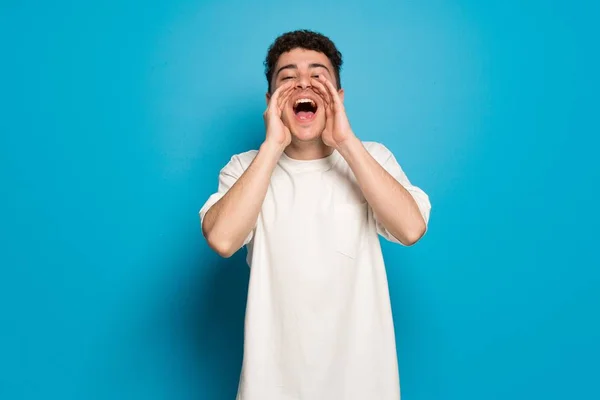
pixel 304 114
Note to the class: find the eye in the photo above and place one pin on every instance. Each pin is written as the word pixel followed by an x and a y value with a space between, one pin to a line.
pixel 287 77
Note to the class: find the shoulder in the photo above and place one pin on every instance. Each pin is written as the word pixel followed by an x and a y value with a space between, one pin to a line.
pixel 378 150
pixel 241 161
pixel 245 158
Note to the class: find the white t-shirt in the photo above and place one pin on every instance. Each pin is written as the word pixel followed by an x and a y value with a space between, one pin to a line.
pixel 318 317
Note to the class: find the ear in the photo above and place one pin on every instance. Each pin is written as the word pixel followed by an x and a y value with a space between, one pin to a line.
pixel 341 93
pixel 268 97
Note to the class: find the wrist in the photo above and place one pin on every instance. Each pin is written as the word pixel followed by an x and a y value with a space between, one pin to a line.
pixel 349 146
pixel 272 148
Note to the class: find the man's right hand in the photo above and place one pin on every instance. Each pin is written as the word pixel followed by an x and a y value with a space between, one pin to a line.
pixel 229 222
pixel 278 134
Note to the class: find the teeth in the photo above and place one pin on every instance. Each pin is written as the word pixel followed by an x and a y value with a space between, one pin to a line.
pixel 305 101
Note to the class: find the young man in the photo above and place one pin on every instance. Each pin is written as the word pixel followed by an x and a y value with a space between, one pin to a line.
pixel 309 205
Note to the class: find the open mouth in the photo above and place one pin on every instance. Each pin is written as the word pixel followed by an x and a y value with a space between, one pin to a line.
pixel 305 109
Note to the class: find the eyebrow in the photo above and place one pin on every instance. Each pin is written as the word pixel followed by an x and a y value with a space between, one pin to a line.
pixel 294 66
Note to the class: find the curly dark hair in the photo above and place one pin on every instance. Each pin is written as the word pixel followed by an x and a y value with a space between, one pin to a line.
pixel 304 39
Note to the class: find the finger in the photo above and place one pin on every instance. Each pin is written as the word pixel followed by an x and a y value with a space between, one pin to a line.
pixel 284 96
pixel 281 89
pixel 337 102
pixel 279 98
pixel 324 93
pixel 321 91
pixel 283 100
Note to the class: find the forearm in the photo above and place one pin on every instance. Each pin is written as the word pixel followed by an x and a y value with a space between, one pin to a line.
pixel 229 221
pixel 394 205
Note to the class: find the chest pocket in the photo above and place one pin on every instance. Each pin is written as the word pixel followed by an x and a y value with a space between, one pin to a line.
pixel 349 228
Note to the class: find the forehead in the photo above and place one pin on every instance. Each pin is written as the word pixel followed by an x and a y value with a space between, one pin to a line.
pixel 303 58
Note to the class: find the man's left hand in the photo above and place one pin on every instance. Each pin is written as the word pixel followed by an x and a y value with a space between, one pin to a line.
pixel 337 127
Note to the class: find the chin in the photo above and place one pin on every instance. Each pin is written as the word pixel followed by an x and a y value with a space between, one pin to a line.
pixel 306 134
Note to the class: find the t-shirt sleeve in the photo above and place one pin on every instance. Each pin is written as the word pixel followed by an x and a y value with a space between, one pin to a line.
pixel 228 176
pixel 390 164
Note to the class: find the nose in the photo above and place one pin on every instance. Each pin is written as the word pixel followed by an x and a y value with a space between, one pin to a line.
pixel 303 82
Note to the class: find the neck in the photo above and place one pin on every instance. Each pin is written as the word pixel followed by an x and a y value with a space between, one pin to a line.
pixel 312 150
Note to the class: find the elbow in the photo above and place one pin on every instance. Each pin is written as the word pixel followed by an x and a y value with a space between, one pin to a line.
pixel 411 240
pixel 224 252
pixel 415 234
pixel 221 247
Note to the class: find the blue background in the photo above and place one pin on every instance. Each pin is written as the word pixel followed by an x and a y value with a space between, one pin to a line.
pixel 116 117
